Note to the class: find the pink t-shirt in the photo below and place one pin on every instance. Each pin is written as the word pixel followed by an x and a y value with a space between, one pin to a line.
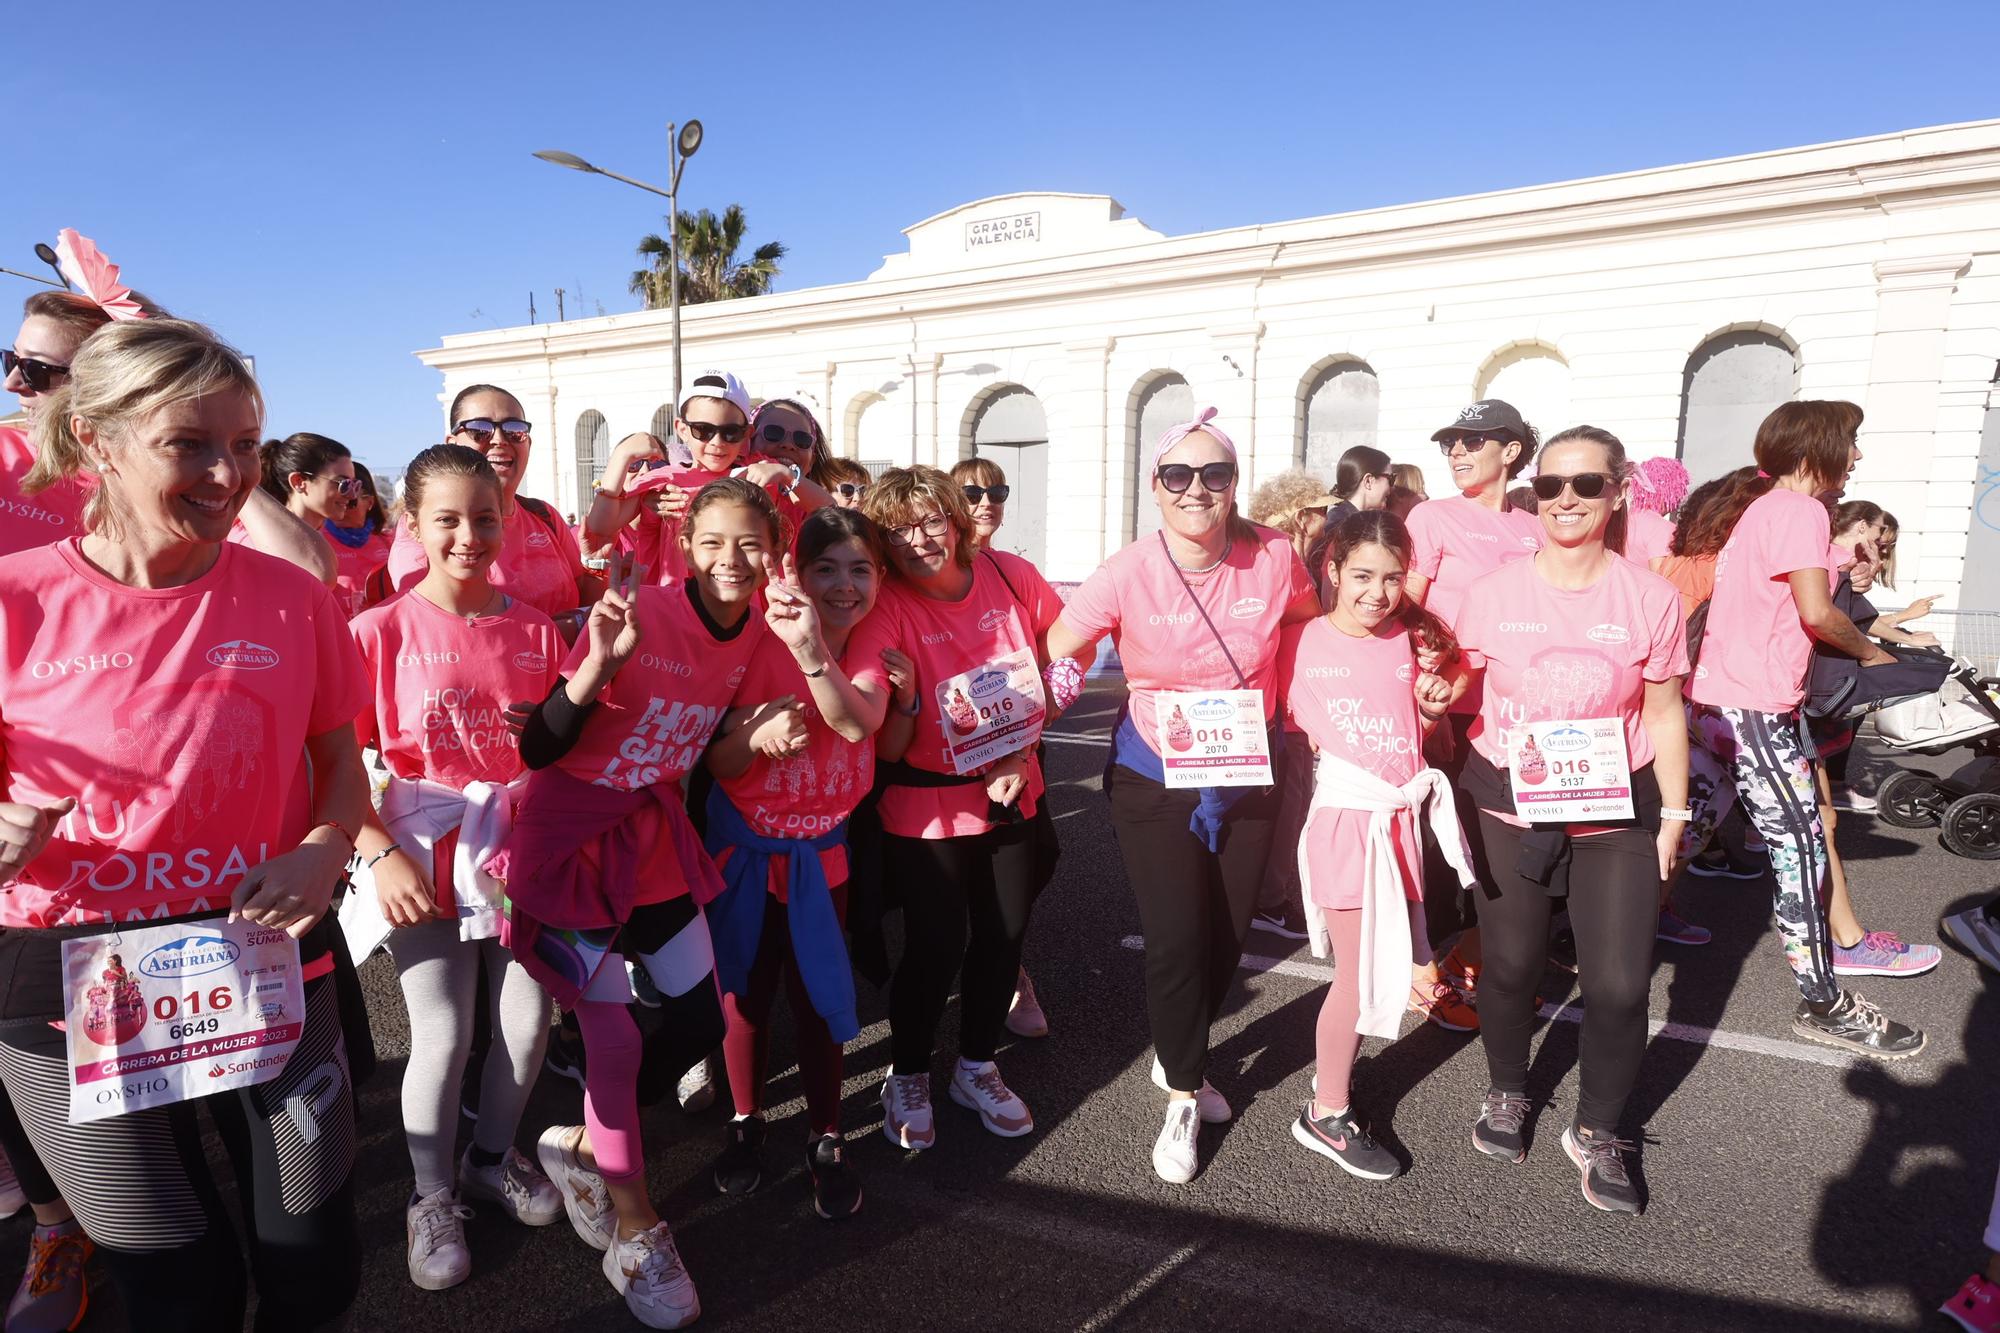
pixel 1354 698
pixel 1755 650
pixel 28 521
pixel 656 543
pixel 1648 536
pixel 1138 598
pixel 1548 653
pixel 352 567
pixel 806 794
pixel 538 564
pixel 1454 541
pixel 177 716
pixel 945 639
pixel 653 720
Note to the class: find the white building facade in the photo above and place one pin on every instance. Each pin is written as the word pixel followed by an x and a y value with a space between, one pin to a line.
pixel 1674 307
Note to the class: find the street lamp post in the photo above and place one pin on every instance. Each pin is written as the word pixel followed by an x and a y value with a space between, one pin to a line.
pixel 681 146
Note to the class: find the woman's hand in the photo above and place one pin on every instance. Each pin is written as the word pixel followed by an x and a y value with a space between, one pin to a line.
pixel 1921 639
pixel 670 502
pixel 778 728
pixel 1916 610
pixel 291 891
pixel 613 626
pixel 791 614
pixel 763 474
pixel 1433 695
pixel 902 678
pixel 1007 780
pixel 25 830
pixel 1668 845
pixel 404 890
pixel 629 458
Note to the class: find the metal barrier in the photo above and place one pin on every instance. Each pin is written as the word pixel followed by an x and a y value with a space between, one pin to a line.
pixel 1973 635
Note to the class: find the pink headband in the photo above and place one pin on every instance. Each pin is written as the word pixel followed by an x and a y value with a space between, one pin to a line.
pixel 1203 422
pixel 85 266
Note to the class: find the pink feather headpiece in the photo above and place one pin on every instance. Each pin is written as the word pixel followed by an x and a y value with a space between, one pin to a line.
pixel 1660 484
pixel 95 276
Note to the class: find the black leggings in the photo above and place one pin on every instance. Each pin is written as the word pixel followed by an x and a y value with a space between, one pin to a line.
pixel 35 1183
pixel 1613 884
pixel 1194 906
pixel 965 907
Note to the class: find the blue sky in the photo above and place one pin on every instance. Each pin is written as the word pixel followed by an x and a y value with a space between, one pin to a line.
pixel 335 187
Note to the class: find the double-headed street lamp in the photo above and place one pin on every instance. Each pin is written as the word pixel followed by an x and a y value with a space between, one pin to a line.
pixel 47 254
pixel 683 146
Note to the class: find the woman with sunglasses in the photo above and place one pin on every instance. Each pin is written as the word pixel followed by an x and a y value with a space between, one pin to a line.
pixel 986 491
pixel 540 563
pixel 846 481
pixel 1194 609
pixel 360 542
pixel 1574 644
pixel 313 477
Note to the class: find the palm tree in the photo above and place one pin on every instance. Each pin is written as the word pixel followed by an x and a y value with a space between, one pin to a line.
pixel 709 267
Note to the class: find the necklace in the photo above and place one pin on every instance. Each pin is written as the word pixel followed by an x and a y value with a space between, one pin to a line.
pixel 1209 568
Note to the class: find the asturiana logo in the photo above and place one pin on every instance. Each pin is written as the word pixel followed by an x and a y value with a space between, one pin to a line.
pixel 986 683
pixel 190 956
pixel 1608 633
pixel 1248 607
pixel 243 655
pixel 1211 710
pixel 531 661
pixel 1566 740
pixel 992 620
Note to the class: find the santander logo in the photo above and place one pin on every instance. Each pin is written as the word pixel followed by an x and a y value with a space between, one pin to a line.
pixel 243 655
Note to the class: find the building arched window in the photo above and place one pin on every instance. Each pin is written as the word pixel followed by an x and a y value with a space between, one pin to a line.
pixel 593 451
pixel 1733 381
pixel 662 428
pixel 1339 407
pixel 1163 401
pixel 879 432
pixel 1535 379
pixel 1011 429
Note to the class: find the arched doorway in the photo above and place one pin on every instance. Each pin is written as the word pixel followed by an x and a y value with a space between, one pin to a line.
pixel 1163 401
pixel 1010 428
pixel 593 453
pixel 880 432
pixel 1535 379
pixel 1732 383
pixel 1341 408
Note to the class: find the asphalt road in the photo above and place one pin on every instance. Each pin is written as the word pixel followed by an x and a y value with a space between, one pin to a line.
pixel 1789 1187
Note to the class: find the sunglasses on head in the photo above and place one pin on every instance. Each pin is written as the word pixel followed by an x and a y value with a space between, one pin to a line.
pixel 481 429
pixel 776 434
pixel 1587 485
pixel 1177 477
pixel 851 490
pixel 997 494
pixel 708 430
pixel 36 374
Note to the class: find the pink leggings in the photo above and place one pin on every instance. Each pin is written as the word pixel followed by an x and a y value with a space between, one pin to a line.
pixel 611 1092
pixel 1335 1042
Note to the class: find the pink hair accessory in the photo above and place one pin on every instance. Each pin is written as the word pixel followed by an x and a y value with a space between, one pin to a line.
pixel 1660 484
pixel 79 260
pixel 1762 475
pixel 1203 422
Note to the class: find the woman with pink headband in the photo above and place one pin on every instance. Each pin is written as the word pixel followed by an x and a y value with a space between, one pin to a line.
pixel 1195 610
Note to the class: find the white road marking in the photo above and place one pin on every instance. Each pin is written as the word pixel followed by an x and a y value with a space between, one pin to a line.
pixel 1152 1277
pixel 1077 738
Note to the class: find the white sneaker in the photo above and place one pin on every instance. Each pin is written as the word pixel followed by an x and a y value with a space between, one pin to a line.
pixel 980 1088
pixel 12 1198
pixel 647 1268
pixel 513 1186
pixel 1025 1017
pixel 584 1196
pixel 1214 1106
pixel 906 1111
pixel 435 1229
pixel 1174 1151
pixel 1855 803
pixel 697 1087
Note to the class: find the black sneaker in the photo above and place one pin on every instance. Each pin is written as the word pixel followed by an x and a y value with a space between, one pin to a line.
pixel 740 1168
pixel 1499 1131
pixel 565 1052
pixel 1855 1025
pixel 1606 1183
pixel 1345 1140
pixel 1720 862
pixel 836 1190
pixel 1290 922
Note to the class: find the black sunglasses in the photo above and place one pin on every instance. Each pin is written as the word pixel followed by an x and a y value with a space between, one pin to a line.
pixel 1177 477
pixel 481 429
pixel 997 494
pixel 776 434
pixel 1587 485
pixel 708 430
pixel 1473 443
pixel 36 374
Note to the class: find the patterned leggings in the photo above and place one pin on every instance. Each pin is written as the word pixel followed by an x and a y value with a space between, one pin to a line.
pixel 1767 761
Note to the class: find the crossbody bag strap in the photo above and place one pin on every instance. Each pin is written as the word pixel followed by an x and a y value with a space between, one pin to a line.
pixel 1241 683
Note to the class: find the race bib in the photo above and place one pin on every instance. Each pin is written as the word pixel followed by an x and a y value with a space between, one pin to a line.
pixel 1214 740
pixel 991 711
pixel 1572 772
pixel 166 1013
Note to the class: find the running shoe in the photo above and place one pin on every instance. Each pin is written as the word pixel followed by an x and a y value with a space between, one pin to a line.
pixel 648 1271
pixel 1213 1105
pixel 435 1229
pixel 584 1196
pixel 1882 953
pixel 55 1288
pixel 1977 931
pixel 1674 930
pixel 1500 1130
pixel 1606 1183
pixel 1855 1025
pixel 1174 1156
pixel 1854 802
pixel 512 1185
pixel 1754 844
pixel 1024 1016
pixel 1346 1142
pixel 1976 1307
pixel 906 1111
pixel 740 1168
pixel 1462 976
pixel 696 1091
pixel 836 1191
pixel 12 1198
pixel 978 1086
pixel 1444 1006
pixel 565 1053
pixel 645 991
pixel 1722 863
pixel 1288 922
pixel 1562 950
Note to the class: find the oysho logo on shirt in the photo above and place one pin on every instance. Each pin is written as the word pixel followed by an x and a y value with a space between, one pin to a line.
pixel 445 658
pixel 1482 536
pixel 1247 607
pixel 1328 673
pixel 1523 627
pixel 1608 633
pixel 942 636
pixel 34 513
pixel 650 661
pixel 1175 618
pixel 992 620
pixel 243 655
pixel 76 666
pixel 531 662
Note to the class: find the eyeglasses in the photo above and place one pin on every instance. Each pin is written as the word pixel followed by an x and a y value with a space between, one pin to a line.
pixel 1177 477
pixel 513 430
pixel 1473 443
pixel 36 374
pixel 348 486
pixel 851 490
pixel 905 534
pixel 997 494
pixel 1587 485
pixel 708 430
pixel 776 434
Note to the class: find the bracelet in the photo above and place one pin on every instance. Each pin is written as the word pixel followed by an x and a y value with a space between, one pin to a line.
pixel 384 854
pixel 1683 815
pixel 336 826
pixel 814 675
pixel 909 712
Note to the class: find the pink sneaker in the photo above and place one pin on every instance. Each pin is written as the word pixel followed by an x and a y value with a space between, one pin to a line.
pixel 979 1087
pixel 1881 953
pixel 1976 1307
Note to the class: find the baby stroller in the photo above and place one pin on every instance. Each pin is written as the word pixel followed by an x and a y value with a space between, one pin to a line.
pixel 1965 807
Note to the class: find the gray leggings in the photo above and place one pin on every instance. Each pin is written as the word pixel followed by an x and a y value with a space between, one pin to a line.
pixel 440 976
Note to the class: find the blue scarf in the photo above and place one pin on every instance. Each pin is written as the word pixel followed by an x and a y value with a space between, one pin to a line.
pixel 353 538
pixel 736 918
pixel 1211 809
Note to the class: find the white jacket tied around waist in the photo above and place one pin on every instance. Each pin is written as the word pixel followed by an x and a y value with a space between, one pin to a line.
pixel 418 814
pixel 1387 948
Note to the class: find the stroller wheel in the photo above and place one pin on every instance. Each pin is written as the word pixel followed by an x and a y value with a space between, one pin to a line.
pixel 1908 799
pixel 1971 826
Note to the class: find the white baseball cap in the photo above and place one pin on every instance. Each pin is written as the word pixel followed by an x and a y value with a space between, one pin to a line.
pixel 717 384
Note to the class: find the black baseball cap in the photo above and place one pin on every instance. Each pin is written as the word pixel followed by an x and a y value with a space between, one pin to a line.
pixel 1488 416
